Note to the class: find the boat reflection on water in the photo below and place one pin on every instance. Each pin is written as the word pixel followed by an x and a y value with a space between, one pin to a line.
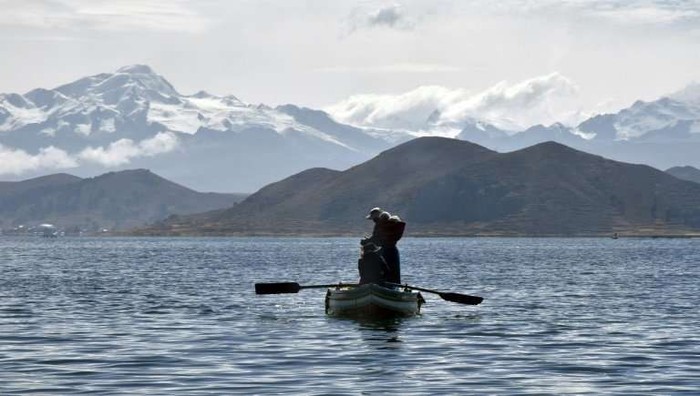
pixel 387 325
pixel 378 311
pixel 381 333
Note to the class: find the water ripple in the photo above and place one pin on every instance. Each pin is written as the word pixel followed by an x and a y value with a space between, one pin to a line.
pixel 163 316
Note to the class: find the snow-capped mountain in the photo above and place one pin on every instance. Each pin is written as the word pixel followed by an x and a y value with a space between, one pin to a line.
pixel 664 118
pixel 661 133
pixel 135 117
pixel 135 102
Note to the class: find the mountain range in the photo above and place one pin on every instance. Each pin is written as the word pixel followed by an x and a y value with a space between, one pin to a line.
pixel 661 133
pixel 113 201
pixel 134 118
pixel 445 186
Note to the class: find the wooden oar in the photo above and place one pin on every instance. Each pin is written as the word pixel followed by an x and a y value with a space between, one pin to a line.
pixel 292 287
pixel 448 296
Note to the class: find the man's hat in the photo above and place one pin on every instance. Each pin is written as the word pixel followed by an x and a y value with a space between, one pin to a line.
pixel 374 213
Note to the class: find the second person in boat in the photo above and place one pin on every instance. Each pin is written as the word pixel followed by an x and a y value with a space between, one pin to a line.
pixel 371 265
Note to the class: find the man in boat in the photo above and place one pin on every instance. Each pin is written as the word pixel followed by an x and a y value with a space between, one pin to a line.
pixel 387 231
pixel 371 265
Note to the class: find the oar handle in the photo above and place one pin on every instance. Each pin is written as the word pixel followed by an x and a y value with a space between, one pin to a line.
pixel 447 296
pixel 292 287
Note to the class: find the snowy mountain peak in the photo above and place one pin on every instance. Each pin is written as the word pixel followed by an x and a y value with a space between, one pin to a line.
pixel 689 95
pixel 202 95
pixel 134 103
pixel 129 81
pixel 136 69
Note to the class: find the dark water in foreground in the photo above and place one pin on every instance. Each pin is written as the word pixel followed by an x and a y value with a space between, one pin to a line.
pixel 165 316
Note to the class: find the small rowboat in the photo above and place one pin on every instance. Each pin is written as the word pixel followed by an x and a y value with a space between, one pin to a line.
pixel 372 300
pixel 369 300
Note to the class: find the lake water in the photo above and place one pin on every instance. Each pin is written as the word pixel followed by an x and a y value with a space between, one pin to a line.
pixel 179 315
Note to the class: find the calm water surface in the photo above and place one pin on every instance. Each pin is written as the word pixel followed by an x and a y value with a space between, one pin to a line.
pixel 165 316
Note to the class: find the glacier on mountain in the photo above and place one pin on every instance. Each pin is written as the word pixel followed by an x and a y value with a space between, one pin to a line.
pixel 132 116
pixel 105 103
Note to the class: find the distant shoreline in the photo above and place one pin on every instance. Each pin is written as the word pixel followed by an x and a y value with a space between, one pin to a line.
pixel 417 235
pixel 358 235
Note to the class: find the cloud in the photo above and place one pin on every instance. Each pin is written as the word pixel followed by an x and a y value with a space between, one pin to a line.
pixel 109 15
pixel 123 150
pixel 646 15
pixel 618 12
pixel 541 100
pixel 409 110
pixel 391 16
pixel 392 68
pixel 16 162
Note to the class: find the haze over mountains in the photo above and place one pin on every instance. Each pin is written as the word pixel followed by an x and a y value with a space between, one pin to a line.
pixel 134 118
pixel 686 173
pixel 449 187
pixel 113 201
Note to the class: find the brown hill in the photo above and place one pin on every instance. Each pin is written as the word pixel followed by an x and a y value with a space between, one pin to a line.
pixel 450 187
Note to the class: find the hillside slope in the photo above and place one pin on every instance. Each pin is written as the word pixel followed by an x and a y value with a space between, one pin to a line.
pixel 115 200
pixel 450 187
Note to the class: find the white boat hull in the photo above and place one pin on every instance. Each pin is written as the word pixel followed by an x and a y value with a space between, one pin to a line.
pixel 372 300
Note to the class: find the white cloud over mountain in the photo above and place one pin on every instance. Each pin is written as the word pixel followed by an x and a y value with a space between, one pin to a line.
pixel 123 150
pixel 16 162
pixel 540 100
pixel 409 110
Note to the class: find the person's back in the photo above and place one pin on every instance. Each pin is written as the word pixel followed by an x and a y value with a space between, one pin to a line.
pixel 389 231
pixel 371 265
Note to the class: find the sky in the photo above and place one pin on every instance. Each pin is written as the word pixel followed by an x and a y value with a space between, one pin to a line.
pixel 523 61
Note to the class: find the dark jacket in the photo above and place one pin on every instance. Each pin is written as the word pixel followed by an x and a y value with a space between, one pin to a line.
pixel 387 232
pixel 372 268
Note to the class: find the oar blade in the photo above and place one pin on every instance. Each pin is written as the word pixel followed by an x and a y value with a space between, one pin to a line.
pixel 462 298
pixel 277 288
